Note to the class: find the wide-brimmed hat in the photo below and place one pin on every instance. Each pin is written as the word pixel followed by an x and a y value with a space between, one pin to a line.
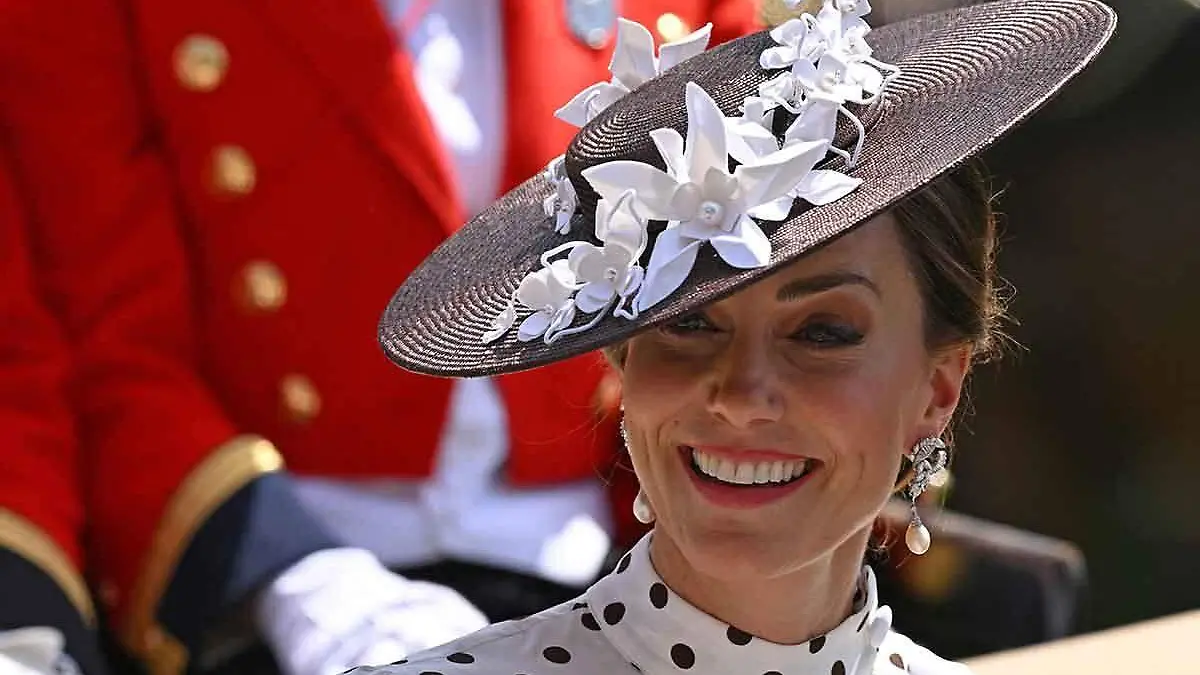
pixel 697 172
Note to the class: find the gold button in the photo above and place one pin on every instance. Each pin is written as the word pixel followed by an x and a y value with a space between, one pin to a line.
pixel 301 402
pixel 233 170
pixel 671 27
pixel 263 286
pixel 201 62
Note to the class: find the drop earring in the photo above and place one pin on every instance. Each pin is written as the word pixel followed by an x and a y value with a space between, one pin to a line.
pixel 642 509
pixel 928 457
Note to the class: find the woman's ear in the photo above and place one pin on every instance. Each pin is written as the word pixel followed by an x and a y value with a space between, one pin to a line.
pixel 946 379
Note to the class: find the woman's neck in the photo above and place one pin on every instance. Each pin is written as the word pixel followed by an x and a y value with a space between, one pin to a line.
pixel 787 609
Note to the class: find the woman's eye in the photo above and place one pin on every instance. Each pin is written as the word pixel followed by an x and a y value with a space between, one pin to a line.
pixel 688 325
pixel 828 334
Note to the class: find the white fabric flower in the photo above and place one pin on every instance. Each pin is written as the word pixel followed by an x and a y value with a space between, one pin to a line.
pixel 548 292
pixel 610 271
pixel 700 198
pixel 633 63
pixel 560 205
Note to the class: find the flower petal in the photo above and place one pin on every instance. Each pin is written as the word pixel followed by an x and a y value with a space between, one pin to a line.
pixel 746 247
pixel 633 59
pixel 533 326
pixel 778 173
pixel 501 324
pixel 719 186
pixel 561 319
pixel 579 110
pixel 773 58
pixel 587 262
pixel 818 121
pixel 654 188
pixel 626 228
pixel 670 148
pixel 705 133
pixel 822 187
pixel 748 141
pixel 594 297
pixel 674 53
pixel 670 263
pixel 773 211
pixel 532 292
pixel 686 201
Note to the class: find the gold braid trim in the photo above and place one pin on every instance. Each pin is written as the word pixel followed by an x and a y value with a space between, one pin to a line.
pixel 772 13
pixel 32 543
pixel 230 467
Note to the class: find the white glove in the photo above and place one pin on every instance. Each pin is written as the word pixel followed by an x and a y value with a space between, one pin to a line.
pixel 37 650
pixel 341 608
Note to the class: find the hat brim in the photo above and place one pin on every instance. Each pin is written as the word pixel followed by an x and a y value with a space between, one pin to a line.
pixel 968 76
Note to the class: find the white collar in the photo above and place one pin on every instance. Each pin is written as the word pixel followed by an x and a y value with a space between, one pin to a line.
pixel 660 633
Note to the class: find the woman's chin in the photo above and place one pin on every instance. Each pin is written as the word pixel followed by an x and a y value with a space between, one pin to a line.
pixel 738 555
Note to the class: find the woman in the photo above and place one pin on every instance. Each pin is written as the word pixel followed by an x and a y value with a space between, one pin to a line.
pixel 792 335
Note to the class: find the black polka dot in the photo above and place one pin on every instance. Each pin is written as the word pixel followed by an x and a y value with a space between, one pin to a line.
pixel 658 595
pixel 460 657
pixel 816 644
pixel 614 613
pixel 738 637
pixel 897 660
pixel 636 667
pixel 579 605
pixel 624 563
pixel 839 668
pixel 556 655
pixel 683 656
pixel 863 622
pixel 589 621
pixel 430 672
pixel 400 662
pixel 772 672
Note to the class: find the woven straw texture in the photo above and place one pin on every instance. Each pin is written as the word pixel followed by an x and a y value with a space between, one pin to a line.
pixel 967 77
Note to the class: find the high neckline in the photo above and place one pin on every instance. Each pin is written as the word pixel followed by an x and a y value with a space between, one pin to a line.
pixel 661 633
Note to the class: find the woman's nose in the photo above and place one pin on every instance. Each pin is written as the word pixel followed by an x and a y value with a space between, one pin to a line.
pixel 746 387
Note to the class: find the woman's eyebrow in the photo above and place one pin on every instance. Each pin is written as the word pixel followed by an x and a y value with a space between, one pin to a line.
pixel 798 288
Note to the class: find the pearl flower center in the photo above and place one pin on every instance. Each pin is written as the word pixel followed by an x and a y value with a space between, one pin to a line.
pixel 711 213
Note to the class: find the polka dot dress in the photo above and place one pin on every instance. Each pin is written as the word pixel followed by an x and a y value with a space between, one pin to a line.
pixel 631 623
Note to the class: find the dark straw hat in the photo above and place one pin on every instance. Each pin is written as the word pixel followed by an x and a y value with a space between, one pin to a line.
pixel 798 135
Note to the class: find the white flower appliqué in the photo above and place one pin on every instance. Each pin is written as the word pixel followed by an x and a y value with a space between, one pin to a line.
pixel 560 205
pixel 828 63
pixel 698 196
pixel 633 63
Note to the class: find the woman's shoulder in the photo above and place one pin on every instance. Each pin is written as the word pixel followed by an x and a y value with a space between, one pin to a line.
pixel 559 635
pixel 898 654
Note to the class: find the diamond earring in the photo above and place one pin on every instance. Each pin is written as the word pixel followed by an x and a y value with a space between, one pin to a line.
pixel 928 457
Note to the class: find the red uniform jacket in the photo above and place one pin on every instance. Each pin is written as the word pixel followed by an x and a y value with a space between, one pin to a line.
pixel 227 194
pixel 41 515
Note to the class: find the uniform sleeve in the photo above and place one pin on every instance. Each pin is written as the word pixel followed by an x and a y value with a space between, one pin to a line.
pixel 40 510
pixel 171 479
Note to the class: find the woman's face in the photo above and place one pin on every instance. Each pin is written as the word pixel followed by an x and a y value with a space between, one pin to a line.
pixel 767 429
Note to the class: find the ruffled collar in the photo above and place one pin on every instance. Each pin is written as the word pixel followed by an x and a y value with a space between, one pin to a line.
pixel 660 633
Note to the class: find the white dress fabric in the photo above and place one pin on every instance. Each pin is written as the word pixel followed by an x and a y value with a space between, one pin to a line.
pixel 630 623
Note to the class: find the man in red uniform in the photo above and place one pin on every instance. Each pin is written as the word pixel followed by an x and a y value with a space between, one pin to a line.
pixel 46 615
pixel 225 194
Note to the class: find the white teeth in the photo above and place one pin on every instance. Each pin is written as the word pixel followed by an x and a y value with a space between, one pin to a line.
pixel 748 473
pixel 762 473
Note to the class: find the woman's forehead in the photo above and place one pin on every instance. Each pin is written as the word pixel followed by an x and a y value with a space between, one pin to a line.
pixel 871 255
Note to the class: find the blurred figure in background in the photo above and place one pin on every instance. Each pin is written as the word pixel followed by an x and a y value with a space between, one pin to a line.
pixel 47 618
pixel 205 181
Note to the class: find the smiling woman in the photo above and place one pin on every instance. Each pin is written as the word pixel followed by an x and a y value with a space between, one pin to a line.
pixel 792 271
